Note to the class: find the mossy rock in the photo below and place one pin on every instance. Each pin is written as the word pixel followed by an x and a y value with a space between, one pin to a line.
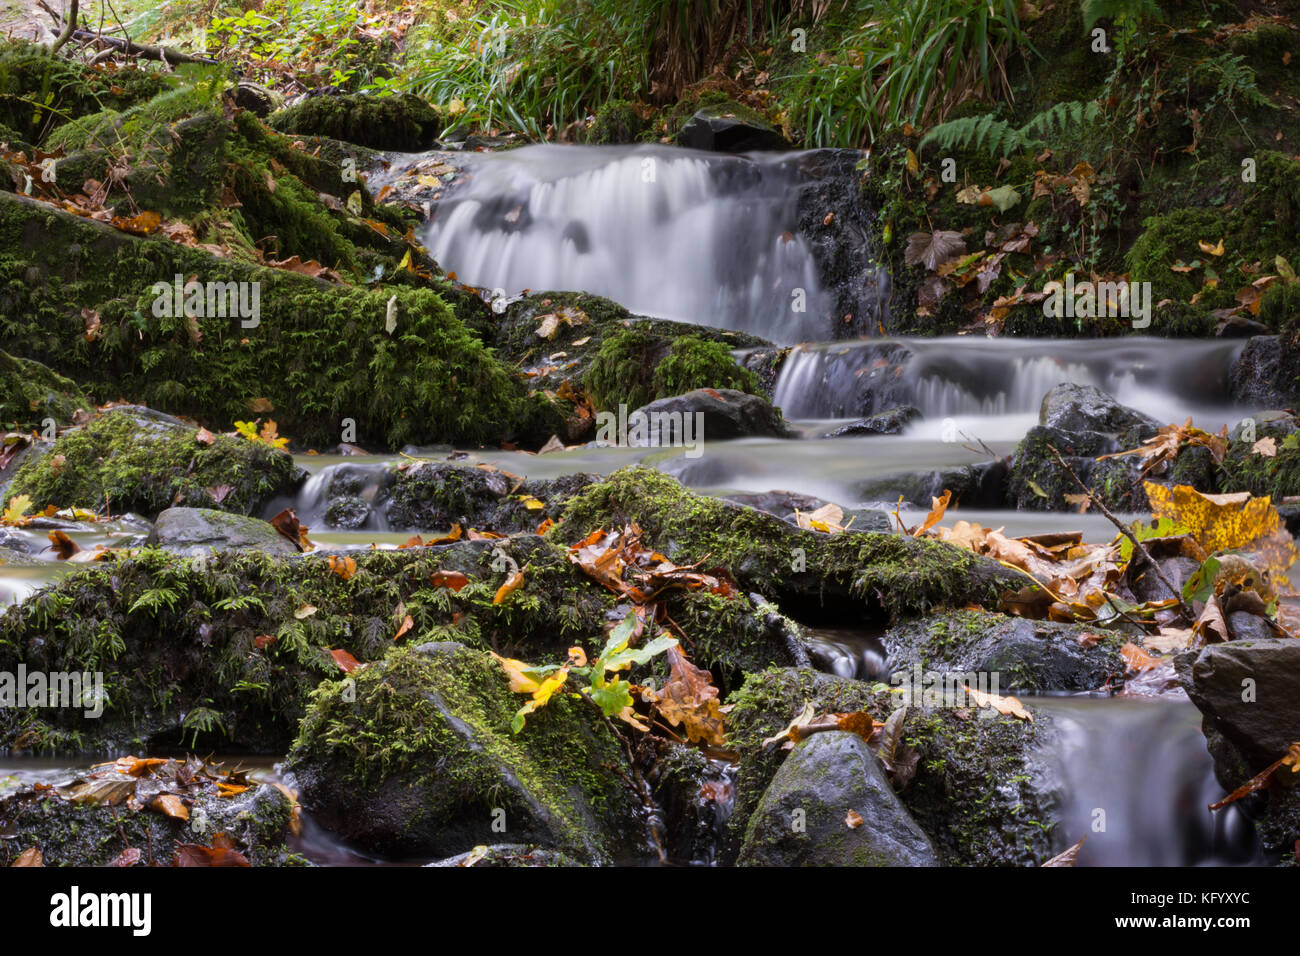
pixel 981 791
pixel 856 574
pixel 620 343
pixel 1027 656
pixel 134 459
pixel 30 393
pixel 220 651
pixel 319 353
pixel 257 823
pixel 417 757
pixel 636 367
pixel 1276 477
pixel 39 90
pixel 404 123
pixel 617 121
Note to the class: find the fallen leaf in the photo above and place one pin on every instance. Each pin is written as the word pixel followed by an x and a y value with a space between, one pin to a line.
pixel 513 584
pixel 346 662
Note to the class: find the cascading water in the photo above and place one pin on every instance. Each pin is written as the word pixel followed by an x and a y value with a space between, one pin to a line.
pixel 979 376
pixel 672 233
pixel 1138 783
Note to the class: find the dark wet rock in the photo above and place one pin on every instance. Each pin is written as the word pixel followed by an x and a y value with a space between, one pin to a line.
pixel 695 796
pixel 1086 408
pixel 722 132
pixel 728 413
pixel 1082 423
pixel 973 486
pixel 509 855
pixel 1246 690
pixel 839 226
pixel 199 531
pixel 1027 656
pixel 257 99
pixel 348 513
pixel 436 495
pixel 1257 378
pixel 75 834
pixel 983 791
pixel 893 422
pixel 420 760
pixel 823 779
pixel 133 458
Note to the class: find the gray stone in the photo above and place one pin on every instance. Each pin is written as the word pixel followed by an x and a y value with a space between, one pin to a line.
pixel 826 776
pixel 728 413
pixel 200 531
pixel 1075 408
pixel 1267 722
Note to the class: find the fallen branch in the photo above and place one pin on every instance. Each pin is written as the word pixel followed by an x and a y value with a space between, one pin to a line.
pixel 1124 530
pixel 143 51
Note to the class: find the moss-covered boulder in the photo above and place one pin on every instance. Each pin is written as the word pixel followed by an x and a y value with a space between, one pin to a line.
pixel 614 355
pixel 40 90
pixel 807 572
pixel 404 123
pixel 1244 469
pixel 220 651
pixel 317 354
pixel 97 832
pixel 982 790
pixel 418 758
pixel 30 393
pixel 1027 656
pixel 131 458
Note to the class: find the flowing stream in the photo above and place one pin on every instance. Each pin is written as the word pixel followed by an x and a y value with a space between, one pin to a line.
pixel 712 240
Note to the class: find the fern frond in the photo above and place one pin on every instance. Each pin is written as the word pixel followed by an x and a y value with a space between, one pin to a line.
pixel 1094 10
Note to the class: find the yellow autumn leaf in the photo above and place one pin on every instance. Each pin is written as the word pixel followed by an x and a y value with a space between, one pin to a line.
pixel 520 682
pixel 16 513
pixel 1211 250
pixel 1007 706
pixel 1227 522
pixel 531 503
pixel 1218 522
pixel 541 697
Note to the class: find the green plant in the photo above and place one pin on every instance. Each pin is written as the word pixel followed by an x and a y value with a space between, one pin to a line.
pixel 1131 10
pixel 999 138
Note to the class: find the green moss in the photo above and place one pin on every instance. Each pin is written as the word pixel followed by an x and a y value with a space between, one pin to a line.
pixel 881 572
pixel 127 460
pixel 30 393
pixel 617 121
pixel 404 122
pixel 435 722
pixel 40 91
pixel 635 367
pixel 320 354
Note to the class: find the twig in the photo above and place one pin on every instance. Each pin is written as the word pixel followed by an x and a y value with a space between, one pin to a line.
pixel 145 52
pixel 1124 530
pixel 69 27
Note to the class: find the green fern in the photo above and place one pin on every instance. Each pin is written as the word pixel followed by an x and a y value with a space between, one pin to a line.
pixel 999 138
pixel 1094 10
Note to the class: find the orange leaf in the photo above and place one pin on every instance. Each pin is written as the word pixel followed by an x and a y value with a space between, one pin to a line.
pixel 513 584
pixel 1136 659
pixel 29 857
pixel 346 662
pixel 407 624
pixel 344 567
pixel 454 580
pixel 170 805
